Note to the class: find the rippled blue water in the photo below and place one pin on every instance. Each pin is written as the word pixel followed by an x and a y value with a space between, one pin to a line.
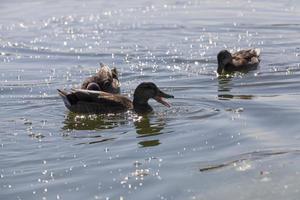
pixel 223 138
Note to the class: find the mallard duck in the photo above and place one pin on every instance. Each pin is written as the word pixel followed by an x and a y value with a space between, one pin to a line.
pixel 243 61
pixel 105 80
pixel 87 101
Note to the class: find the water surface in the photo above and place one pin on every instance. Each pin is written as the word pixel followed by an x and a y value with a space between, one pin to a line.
pixel 223 138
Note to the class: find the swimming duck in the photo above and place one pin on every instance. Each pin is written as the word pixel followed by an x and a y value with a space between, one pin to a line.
pixel 88 101
pixel 241 61
pixel 105 80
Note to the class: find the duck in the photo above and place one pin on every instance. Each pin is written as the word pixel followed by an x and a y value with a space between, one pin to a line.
pixel 105 80
pixel 99 102
pixel 242 61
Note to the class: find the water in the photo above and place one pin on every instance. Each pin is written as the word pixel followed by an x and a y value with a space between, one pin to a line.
pixel 229 138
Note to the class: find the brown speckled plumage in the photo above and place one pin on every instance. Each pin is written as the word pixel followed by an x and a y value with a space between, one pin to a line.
pixel 106 79
pixel 242 61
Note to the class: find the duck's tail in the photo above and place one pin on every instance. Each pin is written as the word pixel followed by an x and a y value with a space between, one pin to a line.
pixel 64 96
pixel 257 51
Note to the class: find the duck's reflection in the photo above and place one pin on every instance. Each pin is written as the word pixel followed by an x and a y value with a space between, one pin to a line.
pixel 145 128
pixel 224 89
pixel 92 122
pixel 225 84
pixel 149 143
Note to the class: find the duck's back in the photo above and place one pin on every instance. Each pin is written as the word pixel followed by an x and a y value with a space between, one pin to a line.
pixel 86 101
pixel 246 59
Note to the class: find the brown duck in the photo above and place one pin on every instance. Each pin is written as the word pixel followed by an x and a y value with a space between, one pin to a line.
pixel 242 61
pixel 105 80
pixel 87 101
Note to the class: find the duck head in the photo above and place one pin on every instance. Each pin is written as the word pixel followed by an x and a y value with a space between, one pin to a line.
pixel 146 91
pixel 224 57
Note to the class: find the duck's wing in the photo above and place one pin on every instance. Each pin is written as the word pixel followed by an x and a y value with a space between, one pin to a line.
pixel 87 101
pixel 246 54
pixel 246 57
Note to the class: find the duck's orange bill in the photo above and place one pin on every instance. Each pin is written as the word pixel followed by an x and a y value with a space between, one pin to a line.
pixel 161 100
pixel 160 96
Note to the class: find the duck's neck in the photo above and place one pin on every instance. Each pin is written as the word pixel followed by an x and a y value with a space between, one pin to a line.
pixel 141 105
pixel 220 66
pixel 220 69
pixel 224 68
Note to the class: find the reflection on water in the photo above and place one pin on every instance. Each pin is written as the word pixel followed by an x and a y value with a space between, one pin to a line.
pixel 231 96
pixel 145 128
pixel 245 159
pixel 149 143
pixel 225 85
pixel 174 44
pixel 93 122
pixel 96 141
